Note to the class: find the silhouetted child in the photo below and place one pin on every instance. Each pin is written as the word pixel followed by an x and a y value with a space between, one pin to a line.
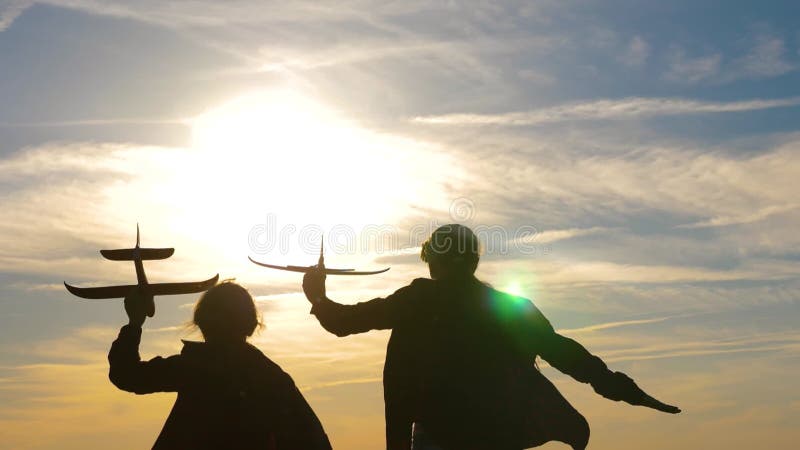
pixel 230 395
pixel 459 371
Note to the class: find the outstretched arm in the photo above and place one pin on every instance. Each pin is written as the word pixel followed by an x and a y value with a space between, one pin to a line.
pixel 126 369
pixel 570 357
pixel 573 359
pixel 343 320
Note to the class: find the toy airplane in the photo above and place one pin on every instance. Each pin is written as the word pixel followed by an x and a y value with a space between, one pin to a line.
pixel 137 255
pixel 320 266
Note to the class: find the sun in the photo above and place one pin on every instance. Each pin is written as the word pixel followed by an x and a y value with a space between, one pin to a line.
pixel 281 156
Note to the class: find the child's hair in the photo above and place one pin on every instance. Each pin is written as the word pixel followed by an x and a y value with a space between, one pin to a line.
pixel 226 310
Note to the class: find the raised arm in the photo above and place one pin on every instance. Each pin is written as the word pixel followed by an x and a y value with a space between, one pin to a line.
pixel 343 320
pixel 571 358
pixel 126 369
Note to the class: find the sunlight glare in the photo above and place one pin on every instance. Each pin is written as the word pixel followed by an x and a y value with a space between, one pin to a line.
pixel 280 153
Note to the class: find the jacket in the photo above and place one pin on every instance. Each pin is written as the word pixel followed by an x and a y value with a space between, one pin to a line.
pixel 230 395
pixel 461 361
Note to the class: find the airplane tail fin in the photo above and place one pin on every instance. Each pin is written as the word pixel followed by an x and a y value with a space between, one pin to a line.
pixel 128 254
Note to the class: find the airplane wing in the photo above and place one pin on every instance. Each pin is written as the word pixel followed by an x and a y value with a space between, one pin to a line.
pixel 304 269
pixel 100 292
pixel 182 288
pixel 126 254
pixel 153 289
pixel 356 272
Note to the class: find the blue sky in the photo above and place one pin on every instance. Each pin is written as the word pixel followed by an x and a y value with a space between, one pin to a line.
pixel 652 146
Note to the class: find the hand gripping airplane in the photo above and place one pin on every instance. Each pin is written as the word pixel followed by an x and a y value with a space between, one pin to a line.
pixel 137 255
pixel 319 266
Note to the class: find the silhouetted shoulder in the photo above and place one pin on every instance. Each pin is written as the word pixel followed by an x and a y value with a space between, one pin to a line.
pixel 418 289
pixel 210 364
pixel 422 284
pixel 513 308
pixel 404 305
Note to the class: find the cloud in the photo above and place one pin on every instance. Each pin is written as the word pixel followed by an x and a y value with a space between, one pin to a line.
pixel 643 191
pixel 692 69
pixel 10 10
pixel 756 216
pixel 680 182
pixel 577 273
pixel 609 325
pixel 66 196
pixel 209 14
pixel 368 380
pixel 88 345
pixel 770 342
pixel 607 109
pixel 636 53
pixel 453 53
pixel 308 36
pixel 764 56
pixel 549 236
pixel 47 405
pixel 765 59
pixel 62 196
pixel 37 286
pixel 92 123
pixel 536 77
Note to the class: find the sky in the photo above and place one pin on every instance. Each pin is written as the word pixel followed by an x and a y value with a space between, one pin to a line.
pixel 630 166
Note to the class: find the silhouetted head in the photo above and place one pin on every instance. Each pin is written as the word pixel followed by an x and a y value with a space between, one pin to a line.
pixel 226 312
pixel 452 251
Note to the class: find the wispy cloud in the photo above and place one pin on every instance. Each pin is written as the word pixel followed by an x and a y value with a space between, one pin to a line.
pixel 787 342
pixel 269 38
pixel 577 273
pixel 212 14
pixel 536 77
pixel 367 380
pixel 627 108
pixel 94 122
pixel 765 59
pixel 764 56
pixel 684 182
pixel 692 69
pixel 550 236
pixel 609 325
pixel 636 52
pixel 721 221
pixel 10 10
pixel 37 286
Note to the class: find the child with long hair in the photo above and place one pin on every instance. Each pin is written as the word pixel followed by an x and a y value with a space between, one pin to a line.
pixel 230 395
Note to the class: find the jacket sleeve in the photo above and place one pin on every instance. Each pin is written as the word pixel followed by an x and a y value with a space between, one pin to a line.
pixel 128 372
pixel 571 358
pixel 375 314
pixel 298 426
